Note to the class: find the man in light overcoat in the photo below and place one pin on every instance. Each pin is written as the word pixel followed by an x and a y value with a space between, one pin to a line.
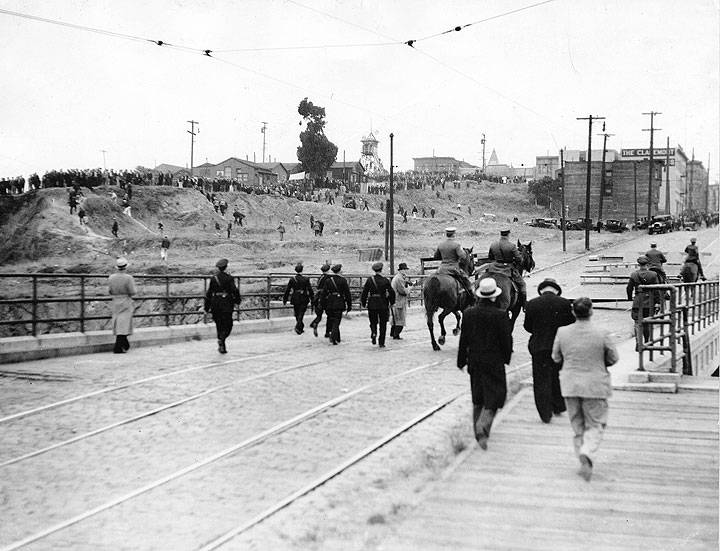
pixel 121 286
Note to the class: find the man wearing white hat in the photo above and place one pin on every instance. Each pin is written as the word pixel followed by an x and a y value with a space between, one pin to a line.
pixel 449 252
pixel 122 287
pixel 485 347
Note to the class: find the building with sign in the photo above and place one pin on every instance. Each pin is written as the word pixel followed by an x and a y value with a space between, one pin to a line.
pixel 626 189
pixel 672 192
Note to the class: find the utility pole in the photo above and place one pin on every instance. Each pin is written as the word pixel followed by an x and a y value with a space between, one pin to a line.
pixel 602 175
pixel 589 118
pixel 635 189
pixel 105 167
pixel 562 191
pixel 707 188
pixel 651 169
pixel 667 176
pixel 690 188
pixel 483 144
pixel 192 144
pixel 344 168
pixel 264 127
pixel 392 211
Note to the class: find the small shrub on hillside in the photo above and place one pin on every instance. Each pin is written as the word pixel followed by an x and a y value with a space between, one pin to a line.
pixel 48 269
pixel 157 269
pixel 79 269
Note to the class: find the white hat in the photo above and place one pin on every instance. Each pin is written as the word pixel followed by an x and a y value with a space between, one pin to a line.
pixel 488 288
pixel 121 262
pixel 450 230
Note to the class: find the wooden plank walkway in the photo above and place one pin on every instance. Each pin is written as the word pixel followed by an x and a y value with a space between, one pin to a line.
pixel 654 486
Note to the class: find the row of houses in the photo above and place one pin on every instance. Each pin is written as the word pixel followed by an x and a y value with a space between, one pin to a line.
pixel 261 174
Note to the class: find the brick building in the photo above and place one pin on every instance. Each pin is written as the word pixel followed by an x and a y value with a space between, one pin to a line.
pixel 619 198
pixel 696 186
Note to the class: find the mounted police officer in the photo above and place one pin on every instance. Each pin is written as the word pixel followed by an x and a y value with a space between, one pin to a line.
pixel 656 259
pixel 508 260
pixel 693 255
pixel 302 295
pixel 221 297
pixel 449 252
pixel 319 301
pixel 643 302
pixel 378 295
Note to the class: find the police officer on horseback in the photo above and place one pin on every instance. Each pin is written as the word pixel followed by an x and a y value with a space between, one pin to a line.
pixel 656 259
pixel 449 252
pixel 505 254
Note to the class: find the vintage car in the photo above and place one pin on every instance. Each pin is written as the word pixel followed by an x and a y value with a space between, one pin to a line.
pixel 543 223
pixel 616 226
pixel 580 224
pixel 661 223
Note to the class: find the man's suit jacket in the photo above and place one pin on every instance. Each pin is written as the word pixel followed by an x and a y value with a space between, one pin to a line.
pixel 486 337
pixel 543 316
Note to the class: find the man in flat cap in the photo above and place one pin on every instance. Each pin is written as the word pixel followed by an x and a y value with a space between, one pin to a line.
pixel 221 297
pixel 449 252
pixel 643 302
pixel 543 316
pixel 507 259
pixel 300 292
pixel 337 300
pixel 319 301
pixel 378 296
pixel 121 286
pixel 693 256
pixel 656 259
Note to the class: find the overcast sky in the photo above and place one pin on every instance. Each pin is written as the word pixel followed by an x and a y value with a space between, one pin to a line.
pixel 521 79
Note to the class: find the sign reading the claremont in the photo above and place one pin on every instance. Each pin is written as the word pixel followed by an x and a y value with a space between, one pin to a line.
pixel 657 152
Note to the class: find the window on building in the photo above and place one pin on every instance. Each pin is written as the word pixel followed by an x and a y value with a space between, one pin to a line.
pixel 608 183
pixel 242 176
pixel 581 208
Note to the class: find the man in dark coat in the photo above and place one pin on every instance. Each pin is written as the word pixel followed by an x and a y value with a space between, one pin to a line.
pixel 656 259
pixel 543 316
pixel 505 253
pixel 221 297
pixel 337 300
pixel 378 295
pixel 643 302
pixel 115 227
pixel 319 302
pixel 485 347
pixel 300 293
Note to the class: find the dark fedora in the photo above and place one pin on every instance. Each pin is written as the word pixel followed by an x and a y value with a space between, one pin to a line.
pixel 549 282
pixel 402 266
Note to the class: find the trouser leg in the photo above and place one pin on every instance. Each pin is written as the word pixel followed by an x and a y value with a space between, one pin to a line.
pixel 118 344
pixel 487 416
pixel 299 311
pixel 577 421
pixel 373 317
pixel 541 365
pixel 383 318
pixel 556 398
pixel 595 412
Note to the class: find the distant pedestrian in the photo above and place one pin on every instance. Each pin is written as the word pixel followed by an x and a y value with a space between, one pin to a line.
pixel 217 229
pixel 300 292
pixel 296 221
pixel 319 300
pixel 72 202
pixel 160 228
pixel 337 300
pixel 164 246
pixel 432 212
pixel 121 286
pixel 115 227
pixel 399 284
pixel 404 217
pixel 221 297
pixel 81 216
pixel 312 222
pixel 128 191
pixel 543 316
pixel 378 296
pixel 281 230
pixel 229 229
pixel 585 352
pixel 485 347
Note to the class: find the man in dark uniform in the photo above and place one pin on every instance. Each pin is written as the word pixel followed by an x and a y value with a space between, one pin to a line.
pixel 337 300
pixel 485 347
pixel 693 255
pixel 643 303
pixel 378 295
pixel 449 252
pixel 543 316
pixel 302 294
pixel 656 259
pixel 221 297
pixel 507 257
pixel 319 302
pixel 115 227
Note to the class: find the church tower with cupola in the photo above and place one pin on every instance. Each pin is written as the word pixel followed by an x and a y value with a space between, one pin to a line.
pixel 369 158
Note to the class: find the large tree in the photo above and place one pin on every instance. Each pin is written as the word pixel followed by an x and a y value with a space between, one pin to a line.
pixel 316 153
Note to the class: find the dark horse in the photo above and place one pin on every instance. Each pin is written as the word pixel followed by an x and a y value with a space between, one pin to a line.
pixel 442 291
pixel 508 300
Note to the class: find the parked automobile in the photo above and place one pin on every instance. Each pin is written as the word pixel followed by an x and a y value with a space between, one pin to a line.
pixel 543 223
pixel 616 226
pixel 580 224
pixel 661 223
pixel 641 224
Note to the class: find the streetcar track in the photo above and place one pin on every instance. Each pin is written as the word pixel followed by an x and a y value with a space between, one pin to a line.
pixel 276 429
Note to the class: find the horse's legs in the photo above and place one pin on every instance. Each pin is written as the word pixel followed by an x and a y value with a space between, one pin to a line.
pixel 429 316
pixel 441 321
pixel 457 324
